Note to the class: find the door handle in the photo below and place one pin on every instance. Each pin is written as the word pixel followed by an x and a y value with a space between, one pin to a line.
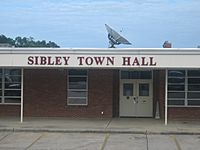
pixel 135 99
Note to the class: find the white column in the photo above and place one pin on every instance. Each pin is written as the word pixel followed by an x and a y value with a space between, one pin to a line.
pixel 22 95
pixel 166 92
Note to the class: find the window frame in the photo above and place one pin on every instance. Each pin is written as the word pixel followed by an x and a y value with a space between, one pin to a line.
pixel 81 90
pixel 186 85
pixel 3 89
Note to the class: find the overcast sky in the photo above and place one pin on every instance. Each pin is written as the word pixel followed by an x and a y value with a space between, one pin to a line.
pixel 80 23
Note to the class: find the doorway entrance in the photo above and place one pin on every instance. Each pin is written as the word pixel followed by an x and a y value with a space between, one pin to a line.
pixel 136 94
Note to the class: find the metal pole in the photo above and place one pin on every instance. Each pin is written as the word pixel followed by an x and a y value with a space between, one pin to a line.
pixel 166 85
pixel 22 95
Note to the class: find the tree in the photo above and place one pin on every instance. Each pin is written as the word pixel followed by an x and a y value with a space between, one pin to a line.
pixel 4 39
pixel 26 42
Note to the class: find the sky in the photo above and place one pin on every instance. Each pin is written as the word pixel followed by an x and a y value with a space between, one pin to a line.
pixel 81 23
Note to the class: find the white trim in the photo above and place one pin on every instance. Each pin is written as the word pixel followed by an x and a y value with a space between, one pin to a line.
pixel 166 85
pixel 100 57
pixel 77 104
pixel 3 87
pixel 186 87
pixel 172 106
pixel 10 103
pixel 22 97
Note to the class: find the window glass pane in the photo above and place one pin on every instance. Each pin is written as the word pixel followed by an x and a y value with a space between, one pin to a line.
pixel 145 75
pixel 193 87
pixel 77 101
pixel 125 75
pixel 144 89
pixel 194 73
pixel 12 78
pixel 194 95
pixel 176 87
pixel 12 72
pixel 133 75
pixel 176 80
pixel 176 102
pixel 1 78
pixel 12 92
pixel 12 100
pixel 77 83
pixel 77 93
pixel 176 94
pixel 12 86
pixel 176 73
pixel 129 75
pixel 136 75
pixel 0 92
pixel 194 102
pixel 127 89
pixel 193 80
pixel 78 72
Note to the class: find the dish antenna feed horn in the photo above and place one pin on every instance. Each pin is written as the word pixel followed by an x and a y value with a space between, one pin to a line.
pixel 115 38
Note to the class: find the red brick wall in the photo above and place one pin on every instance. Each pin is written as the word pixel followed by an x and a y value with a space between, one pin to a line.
pixel 9 110
pixel 45 94
pixel 101 93
pixel 155 90
pixel 116 93
pixel 159 80
pixel 184 113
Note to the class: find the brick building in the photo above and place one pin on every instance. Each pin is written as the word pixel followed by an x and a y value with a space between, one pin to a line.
pixel 44 82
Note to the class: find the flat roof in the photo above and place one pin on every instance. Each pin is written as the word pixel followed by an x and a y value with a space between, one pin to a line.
pixel 112 51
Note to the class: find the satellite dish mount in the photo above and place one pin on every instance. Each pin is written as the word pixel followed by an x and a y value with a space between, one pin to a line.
pixel 115 38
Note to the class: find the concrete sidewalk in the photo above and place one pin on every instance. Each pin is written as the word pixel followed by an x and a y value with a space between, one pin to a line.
pixel 113 125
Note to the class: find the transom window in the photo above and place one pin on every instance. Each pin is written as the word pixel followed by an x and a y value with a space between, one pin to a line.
pixel 136 74
pixel 184 88
pixel 77 88
pixel 10 86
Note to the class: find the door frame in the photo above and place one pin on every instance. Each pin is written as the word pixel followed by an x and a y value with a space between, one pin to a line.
pixel 152 81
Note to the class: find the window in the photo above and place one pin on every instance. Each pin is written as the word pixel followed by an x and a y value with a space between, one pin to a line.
pixel 184 88
pixel 1 85
pixel 127 89
pixel 193 90
pixel 10 86
pixel 136 74
pixel 143 89
pixel 77 92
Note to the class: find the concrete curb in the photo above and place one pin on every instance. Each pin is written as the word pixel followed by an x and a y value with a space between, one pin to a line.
pixel 99 131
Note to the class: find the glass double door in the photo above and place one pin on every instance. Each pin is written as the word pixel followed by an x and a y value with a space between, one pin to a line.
pixel 136 98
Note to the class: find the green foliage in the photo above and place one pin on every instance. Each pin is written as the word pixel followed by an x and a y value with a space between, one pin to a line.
pixel 26 42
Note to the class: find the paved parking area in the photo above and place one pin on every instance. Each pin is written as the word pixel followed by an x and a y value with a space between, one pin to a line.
pixel 96 141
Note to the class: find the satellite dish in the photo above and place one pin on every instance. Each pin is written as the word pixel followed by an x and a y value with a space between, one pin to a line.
pixel 115 38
